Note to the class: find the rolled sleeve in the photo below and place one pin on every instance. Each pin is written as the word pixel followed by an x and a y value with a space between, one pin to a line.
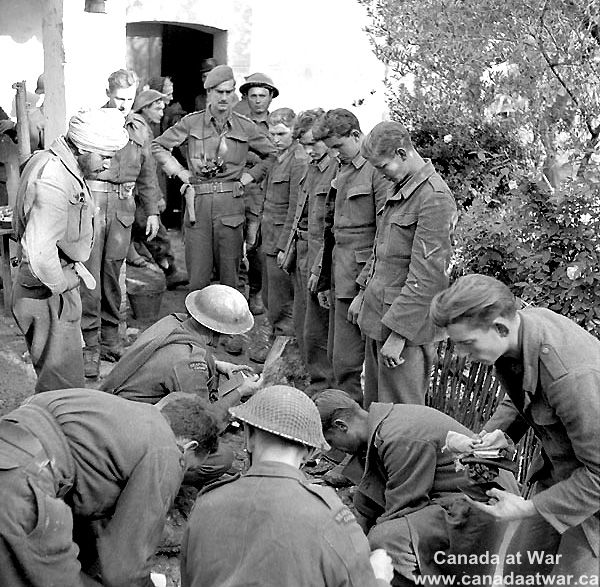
pixel 260 144
pixel 165 143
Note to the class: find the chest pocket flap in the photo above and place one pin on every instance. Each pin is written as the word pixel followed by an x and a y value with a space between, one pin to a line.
pixel 405 219
pixel 359 190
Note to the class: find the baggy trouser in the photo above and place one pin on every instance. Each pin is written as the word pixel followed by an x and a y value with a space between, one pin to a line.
pixel 278 297
pixel 214 242
pixel 112 235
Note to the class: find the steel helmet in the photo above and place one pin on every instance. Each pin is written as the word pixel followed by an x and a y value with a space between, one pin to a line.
pixel 284 411
pixel 220 308
pixel 259 80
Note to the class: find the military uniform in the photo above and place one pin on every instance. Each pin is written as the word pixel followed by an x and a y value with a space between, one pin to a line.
pixel 281 197
pixel 554 388
pixel 361 191
pixel 215 239
pixel 408 267
pixel 79 468
pixel 410 496
pixel 132 166
pixel 53 218
pixel 316 542
pixel 313 320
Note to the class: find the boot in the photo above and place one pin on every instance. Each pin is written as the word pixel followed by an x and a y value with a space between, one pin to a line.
pixel 174 277
pixel 234 344
pixel 91 362
pixel 259 354
pixel 255 304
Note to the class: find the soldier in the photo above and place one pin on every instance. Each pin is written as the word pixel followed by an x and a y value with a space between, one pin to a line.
pixel 53 218
pixel 257 94
pixel 279 529
pixel 148 108
pixel 549 368
pixel 281 196
pixel 86 480
pixel 310 318
pixel 361 191
pixel 217 142
pixel 408 267
pixel 408 488
pixel 112 191
pixel 206 66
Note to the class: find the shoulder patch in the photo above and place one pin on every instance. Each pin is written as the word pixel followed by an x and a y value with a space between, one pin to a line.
pixel 438 184
pixel 198 366
pixel 344 516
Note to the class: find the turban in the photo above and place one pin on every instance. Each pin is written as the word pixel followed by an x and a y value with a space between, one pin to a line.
pixel 100 131
pixel 218 75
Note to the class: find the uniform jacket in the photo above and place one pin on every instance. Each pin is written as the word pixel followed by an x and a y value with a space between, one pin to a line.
pixel 281 197
pixel 554 387
pixel 203 140
pixel 361 191
pixel 53 217
pixel 169 356
pixel 316 542
pixel 123 467
pixel 410 259
pixel 134 164
pixel 317 184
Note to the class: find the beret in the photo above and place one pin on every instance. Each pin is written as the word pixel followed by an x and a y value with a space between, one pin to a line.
pixel 218 75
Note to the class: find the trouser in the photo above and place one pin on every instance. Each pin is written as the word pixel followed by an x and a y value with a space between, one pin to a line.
pixel 313 324
pixel 348 351
pixel 52 329
pixel 406 384
pixel 112 235
pixel 537 550
pixel 278 297
pixel 215 240
pixel 252 269
pixel 159 247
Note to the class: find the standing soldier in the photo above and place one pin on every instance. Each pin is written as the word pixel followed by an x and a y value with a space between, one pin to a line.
pixel 257 94
pixel 311 317
pixel 408 267
pixel 217 142
pixel 361 191
pixel 112 191
pixel 54 221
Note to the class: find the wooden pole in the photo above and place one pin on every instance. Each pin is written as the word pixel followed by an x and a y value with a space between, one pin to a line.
pixel 22 121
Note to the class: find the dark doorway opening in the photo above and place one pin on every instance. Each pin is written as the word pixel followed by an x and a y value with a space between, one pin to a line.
pixel 183 50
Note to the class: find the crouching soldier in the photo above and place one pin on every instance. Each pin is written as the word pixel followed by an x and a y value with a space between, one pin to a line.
pixel 174 355
pixel 86 480
pixel 279 528
pixel 409 492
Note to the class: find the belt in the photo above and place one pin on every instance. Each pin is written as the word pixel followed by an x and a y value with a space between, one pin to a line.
pixel 124 190
pixel 218 187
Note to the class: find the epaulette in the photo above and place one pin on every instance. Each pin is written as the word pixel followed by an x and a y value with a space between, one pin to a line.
pixel 342 514
pixel 193 114
pixel 552 362
pixel 437 183
pixel 219 483
pixel 242 116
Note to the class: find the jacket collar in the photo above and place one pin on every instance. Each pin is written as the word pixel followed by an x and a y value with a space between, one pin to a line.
pixel 209 118
pixel 414 181
pixel 531 341
pixel 60 148
pixel 358 161
pixel 324 162
pixel 275 469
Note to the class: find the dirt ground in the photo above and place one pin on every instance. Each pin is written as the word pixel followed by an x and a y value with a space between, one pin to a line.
pixel 17 381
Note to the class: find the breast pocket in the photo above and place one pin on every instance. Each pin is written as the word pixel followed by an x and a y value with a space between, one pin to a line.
pixel 401 235
pixel 75 216
pixel 236 146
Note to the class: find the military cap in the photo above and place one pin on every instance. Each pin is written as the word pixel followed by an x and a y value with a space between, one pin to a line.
pixel 145 98
pixel 259 80
pixel 218 75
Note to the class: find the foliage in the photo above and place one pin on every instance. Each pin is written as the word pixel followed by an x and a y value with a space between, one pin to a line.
pixel 504 97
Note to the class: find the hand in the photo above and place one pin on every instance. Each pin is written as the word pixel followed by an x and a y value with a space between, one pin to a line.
pixel 392 349
pixel 313 282
pixel 280 259
pixel 324 298
pixel 152 226
pixel 185 176
pixel 250 386
pixel 381 563
pixel 246 179
pixel 162 205
pixel 229 369
pixel 6 125
pixel 355 306
pixel 505 506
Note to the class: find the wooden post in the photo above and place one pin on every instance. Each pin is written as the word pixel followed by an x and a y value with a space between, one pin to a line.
pixel 22 121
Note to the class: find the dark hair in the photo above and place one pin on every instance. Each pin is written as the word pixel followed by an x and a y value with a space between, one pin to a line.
pixel 193 419
pixel 306 120
pixel 333 404
pixel 285 116
pixel 122 78
pixel 478 299
pixel 339 122
pixel 158 83
pixel 384 139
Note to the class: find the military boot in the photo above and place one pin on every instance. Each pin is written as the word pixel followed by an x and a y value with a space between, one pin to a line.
pixel 91 362
pixel 255 304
